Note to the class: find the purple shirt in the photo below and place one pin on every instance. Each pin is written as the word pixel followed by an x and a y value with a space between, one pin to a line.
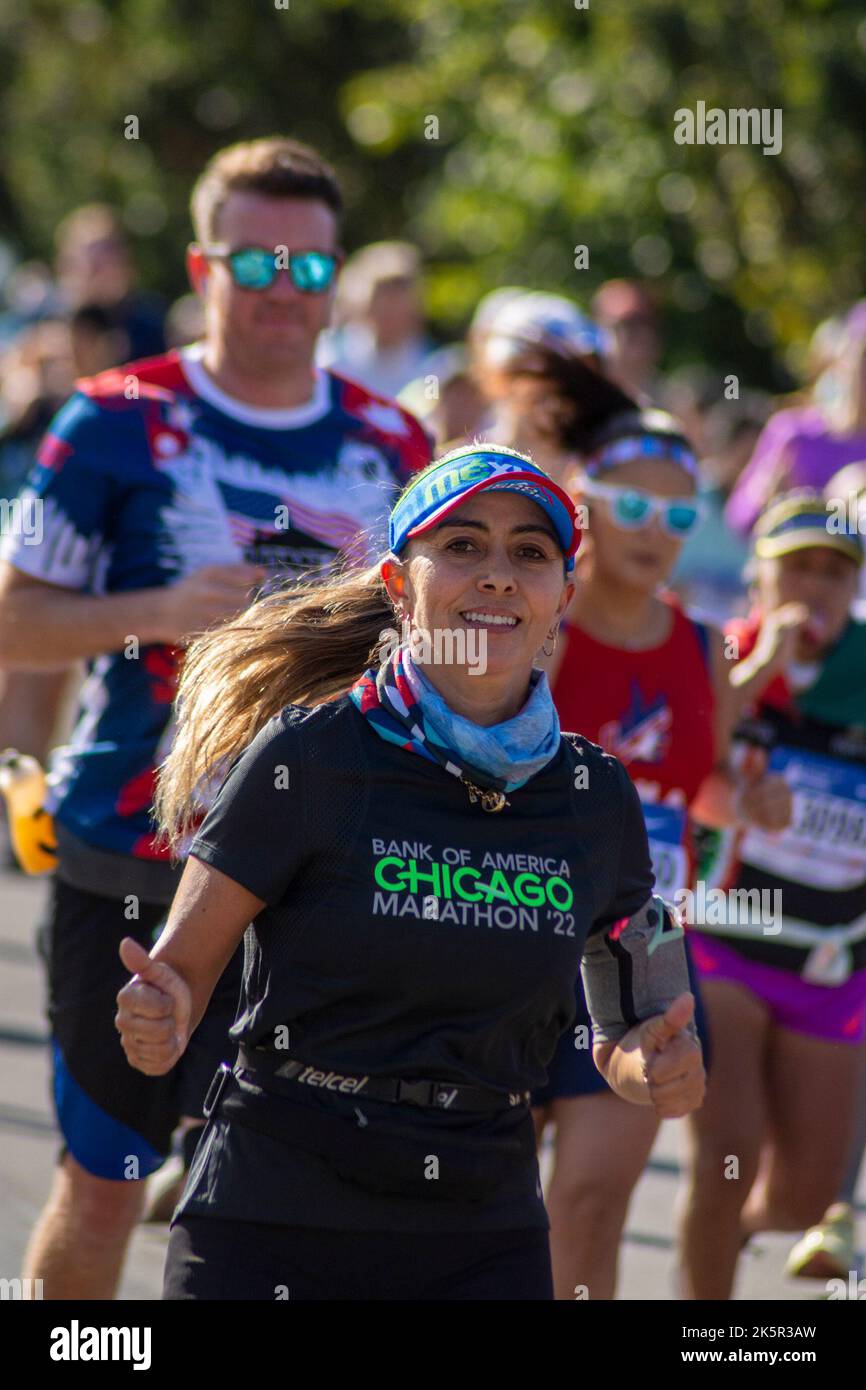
pixel 796 449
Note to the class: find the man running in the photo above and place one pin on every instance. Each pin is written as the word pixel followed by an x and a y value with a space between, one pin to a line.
pixel 168 490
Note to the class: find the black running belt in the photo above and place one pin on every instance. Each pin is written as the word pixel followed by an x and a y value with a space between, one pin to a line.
pixel 436 1095
pixel 390 1159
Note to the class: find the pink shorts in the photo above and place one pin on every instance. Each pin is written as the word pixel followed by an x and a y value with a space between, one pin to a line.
pixel 834 1013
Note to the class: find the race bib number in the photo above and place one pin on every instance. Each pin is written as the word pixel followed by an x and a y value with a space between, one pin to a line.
pixel 825 844
pixel 666 831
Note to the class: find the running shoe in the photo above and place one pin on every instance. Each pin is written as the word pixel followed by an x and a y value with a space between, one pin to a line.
pixel 827 1250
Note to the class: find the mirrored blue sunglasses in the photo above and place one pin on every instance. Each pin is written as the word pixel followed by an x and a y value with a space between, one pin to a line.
pixel 631 508
pixel 256 267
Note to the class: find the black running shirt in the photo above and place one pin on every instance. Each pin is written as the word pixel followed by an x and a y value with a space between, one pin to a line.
pixel 407 933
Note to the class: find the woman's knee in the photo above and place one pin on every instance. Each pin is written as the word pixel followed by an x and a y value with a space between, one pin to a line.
pixel 592 1191
pixel 597 1211
pixel 725 1167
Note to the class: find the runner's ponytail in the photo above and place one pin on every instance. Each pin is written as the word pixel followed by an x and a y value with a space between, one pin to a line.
pixel 588 397
pixel 303 645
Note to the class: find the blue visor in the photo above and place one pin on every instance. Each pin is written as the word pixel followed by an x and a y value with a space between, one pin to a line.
pixel 450 482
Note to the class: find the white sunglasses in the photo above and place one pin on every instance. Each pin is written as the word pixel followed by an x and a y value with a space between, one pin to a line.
pixel 631 508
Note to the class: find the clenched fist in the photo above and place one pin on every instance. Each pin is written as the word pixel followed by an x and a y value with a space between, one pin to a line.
pixel 764 800
pixel 153 1012
pixel 673 1066
pixel 206 596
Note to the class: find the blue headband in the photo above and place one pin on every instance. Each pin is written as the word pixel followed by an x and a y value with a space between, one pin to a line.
pixel 450 482
pixel 640 446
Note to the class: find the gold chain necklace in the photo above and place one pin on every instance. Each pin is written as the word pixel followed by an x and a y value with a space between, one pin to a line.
pixel 490 800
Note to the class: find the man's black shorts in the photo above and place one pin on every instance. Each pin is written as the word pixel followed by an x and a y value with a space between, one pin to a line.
pixel 116 1122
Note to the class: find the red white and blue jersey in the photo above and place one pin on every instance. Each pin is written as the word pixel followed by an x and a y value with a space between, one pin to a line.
pixel 653 709
pixel 150 472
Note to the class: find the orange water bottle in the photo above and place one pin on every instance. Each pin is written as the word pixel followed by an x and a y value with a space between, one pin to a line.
pixel 31 829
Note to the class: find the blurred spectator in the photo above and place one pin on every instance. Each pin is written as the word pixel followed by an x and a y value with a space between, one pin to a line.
pixel 36 375
pixel 804 446
pixel 625 309
pixel 446 399
pixel 97 342
pixel 709 573
pixel 94 266
pixel 824 348
pixel 690 393
pixel 487 310
pixel 848 487
pixel 28 295
pixel 380 339
pixel 184 323
pixel 542 369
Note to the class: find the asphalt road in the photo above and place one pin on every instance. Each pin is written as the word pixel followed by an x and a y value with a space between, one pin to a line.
pixel 28 1143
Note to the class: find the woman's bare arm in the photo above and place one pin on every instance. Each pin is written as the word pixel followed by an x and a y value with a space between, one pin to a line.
pixel 164 1002
pixel 752 795
pixel 208 918
pixel 657 1063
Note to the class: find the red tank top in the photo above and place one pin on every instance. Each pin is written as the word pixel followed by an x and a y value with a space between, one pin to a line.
pixel 654 710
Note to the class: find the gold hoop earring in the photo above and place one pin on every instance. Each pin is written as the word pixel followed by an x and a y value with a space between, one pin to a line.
pixel 554 633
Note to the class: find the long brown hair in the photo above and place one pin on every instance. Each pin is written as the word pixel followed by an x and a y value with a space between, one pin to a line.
pixel 302 646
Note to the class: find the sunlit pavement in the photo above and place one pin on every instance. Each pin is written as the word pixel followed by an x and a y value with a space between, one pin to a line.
pixel 28 1144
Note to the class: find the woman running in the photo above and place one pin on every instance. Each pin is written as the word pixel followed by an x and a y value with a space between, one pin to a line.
pixel 784 980
pixel 639 676
pixel 805 445
pixel 542 367
pixel 828 1249
pixel 424 862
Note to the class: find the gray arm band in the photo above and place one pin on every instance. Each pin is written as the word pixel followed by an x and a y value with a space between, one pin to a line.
pixel 634 970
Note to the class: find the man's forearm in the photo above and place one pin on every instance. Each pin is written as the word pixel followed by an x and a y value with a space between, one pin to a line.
pixel 41 629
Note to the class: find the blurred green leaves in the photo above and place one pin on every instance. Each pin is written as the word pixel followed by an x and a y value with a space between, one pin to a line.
pixel 553 128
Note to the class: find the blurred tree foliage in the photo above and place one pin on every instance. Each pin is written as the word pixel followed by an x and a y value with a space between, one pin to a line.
pixel 499 134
